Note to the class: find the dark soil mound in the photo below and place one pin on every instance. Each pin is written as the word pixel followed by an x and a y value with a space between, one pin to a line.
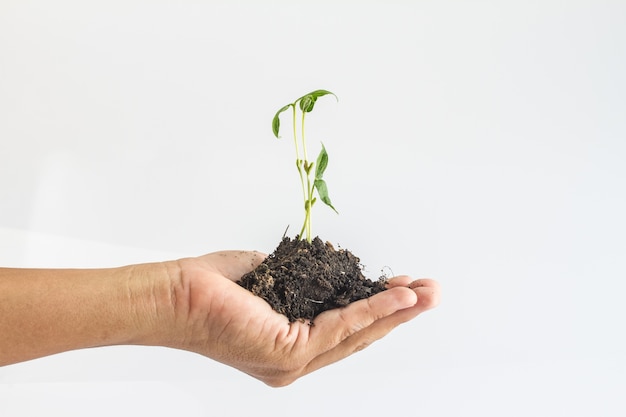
pixel 301 279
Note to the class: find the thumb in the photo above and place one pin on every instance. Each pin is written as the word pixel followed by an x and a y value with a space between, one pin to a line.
pixel 233 264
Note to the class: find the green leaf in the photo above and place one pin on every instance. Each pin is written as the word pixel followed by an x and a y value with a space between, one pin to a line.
pixel 307 102
pixel 322 191
pixel 322 163
pixel 276 120
pixel 319 93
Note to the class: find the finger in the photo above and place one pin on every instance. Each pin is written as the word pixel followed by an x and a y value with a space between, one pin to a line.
pixel 428 293
pixel 407 281
pixel 399 281
pixel 427 298
pixel 334 326
pixel 424 282
pixel 428 290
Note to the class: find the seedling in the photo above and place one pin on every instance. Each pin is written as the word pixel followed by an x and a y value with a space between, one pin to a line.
pixel 310 184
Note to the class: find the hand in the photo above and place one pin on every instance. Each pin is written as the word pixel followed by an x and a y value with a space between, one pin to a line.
pixel 221 320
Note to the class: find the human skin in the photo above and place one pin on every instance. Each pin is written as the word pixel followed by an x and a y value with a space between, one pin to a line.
pixel 192 304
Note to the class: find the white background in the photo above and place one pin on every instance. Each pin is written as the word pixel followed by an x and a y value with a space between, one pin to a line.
pixel 478 143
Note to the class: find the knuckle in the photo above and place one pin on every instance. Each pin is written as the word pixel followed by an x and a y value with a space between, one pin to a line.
pixel 279 382
pixel 362 346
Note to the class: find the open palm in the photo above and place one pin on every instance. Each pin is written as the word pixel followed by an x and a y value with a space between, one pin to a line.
pixel 221 320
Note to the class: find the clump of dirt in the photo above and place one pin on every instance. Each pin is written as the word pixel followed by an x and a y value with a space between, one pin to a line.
pixel 301 279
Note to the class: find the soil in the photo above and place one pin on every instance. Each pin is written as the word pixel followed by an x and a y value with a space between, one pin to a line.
pixel 301 279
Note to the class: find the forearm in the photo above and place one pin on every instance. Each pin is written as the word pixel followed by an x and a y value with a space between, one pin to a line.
pixel 43 312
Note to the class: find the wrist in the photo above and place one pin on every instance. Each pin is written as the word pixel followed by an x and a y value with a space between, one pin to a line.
pixel 152 290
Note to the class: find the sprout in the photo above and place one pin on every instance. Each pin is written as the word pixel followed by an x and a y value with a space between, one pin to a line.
pixel 310 183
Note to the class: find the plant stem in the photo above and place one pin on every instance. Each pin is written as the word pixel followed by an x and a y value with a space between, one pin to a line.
pixel 308 203
pixel 299 161
pixel 303 164
pixel 295 130
pixel 303 138
pixel 306 104
pixel 308 188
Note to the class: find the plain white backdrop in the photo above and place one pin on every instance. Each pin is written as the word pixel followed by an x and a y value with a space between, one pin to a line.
pixel 478 143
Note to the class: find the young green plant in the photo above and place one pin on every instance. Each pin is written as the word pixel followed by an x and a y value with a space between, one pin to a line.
pixel 310 179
